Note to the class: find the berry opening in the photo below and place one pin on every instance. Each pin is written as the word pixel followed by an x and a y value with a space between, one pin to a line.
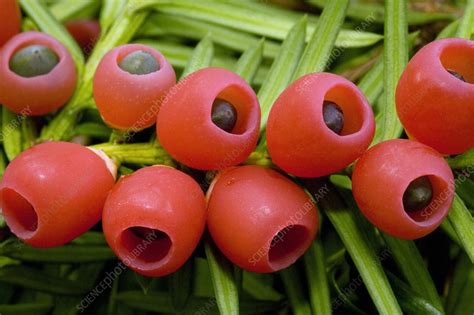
pixel 139 62
pixel 348 112
pixel 429 208
pixel 287 246
pixel 241 101
pixel 33 60
pixel 457 61
pixel 21 214
pixel 145 244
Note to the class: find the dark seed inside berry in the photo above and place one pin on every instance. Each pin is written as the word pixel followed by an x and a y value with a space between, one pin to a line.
pixel 333 116
pixel 139 62
pixel 145 233
pixel 34 60
pixel 418 194
pixel 224 115
pixel 457 75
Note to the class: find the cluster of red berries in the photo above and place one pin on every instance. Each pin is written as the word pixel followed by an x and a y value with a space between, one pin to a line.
pixel 258 217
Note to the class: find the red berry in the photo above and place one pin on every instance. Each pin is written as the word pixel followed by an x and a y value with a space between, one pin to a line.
pixel 403 187
pixel 435 96
pixel 196 113
pixel 54 192
pixel 154 218
pixel 131 101
pixel 260 219
pixel 85 32
pixel 320 124
pixel 10 17
pixel 37 94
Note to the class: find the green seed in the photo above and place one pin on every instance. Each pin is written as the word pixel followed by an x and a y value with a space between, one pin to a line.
pixel 418 194
pixel 333 117
pixel 34 60
pixel 139 62
pixel 224 115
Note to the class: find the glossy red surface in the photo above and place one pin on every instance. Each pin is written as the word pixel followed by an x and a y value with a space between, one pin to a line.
pixel 298 139
pixel 159 198
pixel 54 192
pixel 381 177
pixel 10 17
pixel 435 107
pixel 129 101
pixel 85 32
pixel 41 94
pixel 260 219
pixel 184 125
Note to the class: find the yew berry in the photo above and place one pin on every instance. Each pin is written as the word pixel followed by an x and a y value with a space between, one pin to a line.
pixel 85 32
pixel 260 219
pixel 54 192
pixel 10 17
pixel 37 74
pixel 435 96
pixel 403 187
pixel 320 124
pixel 210 120
pixel 130 84
pixel 154 218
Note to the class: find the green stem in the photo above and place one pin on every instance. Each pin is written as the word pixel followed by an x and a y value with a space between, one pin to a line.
pixel 282 69
pixel 467 22
pixel 222 275
pixel 249 62
pixel 412 302
pixel 136 153
pixel 449 31
pixel 92 129
pixel 260 156
pixel 315 267
pixel 346 223
pixel 33 278
pixel 28 130
pixel 62 254
pixel 11 133
pixel 164 24
pixel 109 12
pixel 395 60
pixel 465 160
pixel 3 165
pixel 180 285
pixel 294 290
pixel 201 57
pixel 118 136
pixel 112 305
pixel 447 228
pixel 26 308
pixel 361 11
pixel 463 223
pixel 70 10
pixel 372 83
pixel 318 52
pixel 461 287
pixel 412 266
pixel 244 18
